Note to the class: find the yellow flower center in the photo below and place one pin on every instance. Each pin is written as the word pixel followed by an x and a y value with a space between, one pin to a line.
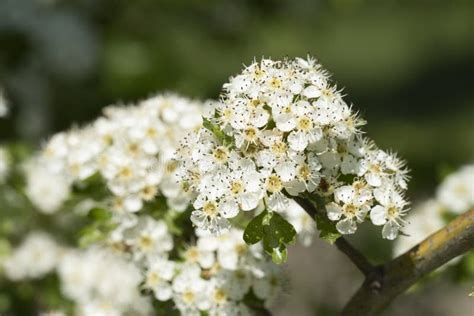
pixel 274 184
pixel 304 173
pixel 125 173
pixel 188 297
pixel 152 279
pixel 145 242
pixel 305 124
pixel 220 296
pixel 221 154
pixel 350 210
pixel 210 209
pixel 236 187
pixel 392 212
pixel 149 192
pixel 275 83
pixel 192 254
pixel 279 148
pixel 250 134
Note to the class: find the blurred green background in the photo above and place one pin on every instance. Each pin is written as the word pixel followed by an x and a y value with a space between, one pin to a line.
pixel 407 66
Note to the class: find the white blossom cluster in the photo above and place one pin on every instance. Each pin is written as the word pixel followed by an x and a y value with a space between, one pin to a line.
pixel 36 256
pixel 211 275
pixel 98 281
pixel 455 194
pixel 101 283
pixel 281 129
pixel 132 149
pixel 130 146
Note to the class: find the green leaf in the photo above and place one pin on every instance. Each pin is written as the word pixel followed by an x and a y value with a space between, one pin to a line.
pixel 327 229
pixel 254 231
pixel 99 214
pixel 275 232
pixel 89 235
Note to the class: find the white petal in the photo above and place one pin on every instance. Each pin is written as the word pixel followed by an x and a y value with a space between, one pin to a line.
pixel 229 209
pixel 378 215
pixel 382 196
pixel 249 200
pixel 345 194
pixel 346 226
pixel 285 122
pixel 311 92
pixel 390 231
pixel 286 171
pixel 373 179
pixel 298 141
pixel 277 202
pixel 334 211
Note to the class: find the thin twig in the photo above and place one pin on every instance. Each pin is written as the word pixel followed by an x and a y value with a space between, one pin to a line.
pixel 359 260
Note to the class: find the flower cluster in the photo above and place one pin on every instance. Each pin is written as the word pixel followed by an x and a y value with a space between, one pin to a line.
pixel 131 147
pixel 214 274
pixel 455 195
pixel 281 129
pixel 101 283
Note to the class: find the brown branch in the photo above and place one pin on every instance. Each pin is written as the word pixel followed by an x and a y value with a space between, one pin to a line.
pixel 386 282
pixel 359 260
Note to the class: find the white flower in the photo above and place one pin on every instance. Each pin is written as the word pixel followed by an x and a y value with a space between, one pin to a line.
pixel 158 277
pixel 148 238
pixel 456 192
pixel 390 211
pixel 35 257
pixel 189 291
pixel 350 205
pixel 46 190
pixel 97 275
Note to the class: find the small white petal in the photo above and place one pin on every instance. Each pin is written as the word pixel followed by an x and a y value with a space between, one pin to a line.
pixel 378 215
pixel 390 231
pixel 346 226
pixel 334 211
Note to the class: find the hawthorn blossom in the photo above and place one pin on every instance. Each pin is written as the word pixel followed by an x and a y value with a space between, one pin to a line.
pixel 390 211
pixel 294 134
pixel 37 255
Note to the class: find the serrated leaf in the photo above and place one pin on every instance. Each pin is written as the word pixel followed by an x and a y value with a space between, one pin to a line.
pixel 327 229
pixel 275 232
pixel 254 231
